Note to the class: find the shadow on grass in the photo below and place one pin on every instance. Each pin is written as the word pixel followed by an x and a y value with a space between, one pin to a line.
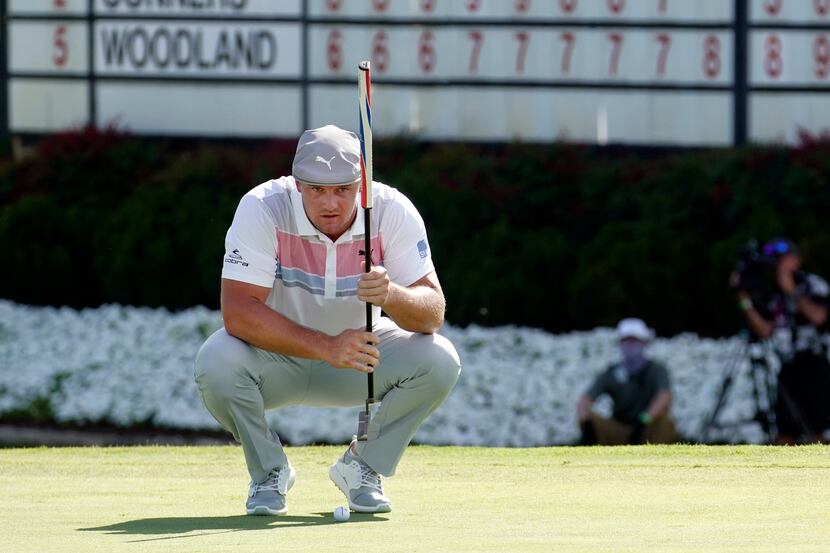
pixel 198 526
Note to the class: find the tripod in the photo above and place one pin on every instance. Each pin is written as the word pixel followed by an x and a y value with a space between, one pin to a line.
pixel 763 389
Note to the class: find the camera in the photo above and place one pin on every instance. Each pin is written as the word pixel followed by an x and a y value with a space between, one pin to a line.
pixel 755 270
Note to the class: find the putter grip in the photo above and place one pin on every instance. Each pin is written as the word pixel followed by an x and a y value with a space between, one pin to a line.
pixel 367 251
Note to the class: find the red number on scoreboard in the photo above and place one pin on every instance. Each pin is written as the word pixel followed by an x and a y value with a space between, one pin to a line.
pixel 567 52
pixel 380 5
pixel 663 6
pixel 473 5
pixel 60 53
pixel 711 57
pixel 616 48
pixel 523 39
pixel 773 6
pixel 616 6
pixel 427 5
pixel 522 5
pixel 774 63
pixel 821 6
pixel 477 39
pixel 568 6
pixel 380 52
pixel 334 50
pixel 821 53
pixel 333 5
pixel 665 44
pixel 426 52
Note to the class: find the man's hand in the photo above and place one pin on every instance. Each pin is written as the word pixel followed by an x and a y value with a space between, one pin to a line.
pixel 583 408
pixel 373 287
pixel 786 280
pixel 354 349
pixel 735 280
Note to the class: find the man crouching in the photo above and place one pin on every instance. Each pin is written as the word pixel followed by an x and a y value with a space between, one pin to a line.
pixel 293 293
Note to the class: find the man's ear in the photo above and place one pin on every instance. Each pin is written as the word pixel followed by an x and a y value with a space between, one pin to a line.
pixel 297 184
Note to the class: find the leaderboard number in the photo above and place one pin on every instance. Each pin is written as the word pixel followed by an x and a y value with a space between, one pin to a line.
pixel 427 54
pixel 616 49
pixel 711 52
pixel 477 37
pixel 774 56
pixel 711 57
pixel 773 62
pixel 522 6
pixel 569 41
pixel 60 46
pixel 664 41
pixel 614 6
pixel 334 50
pixel 523 38
pixel 60 51
pixel 380 52
pixel 567 52
pixel 821 55
pixel 773 7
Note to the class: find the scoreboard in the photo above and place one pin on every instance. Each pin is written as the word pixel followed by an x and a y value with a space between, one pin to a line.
pixel 789 68
pixel 655 72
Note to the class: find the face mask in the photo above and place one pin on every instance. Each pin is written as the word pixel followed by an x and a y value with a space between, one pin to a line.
pixel 634 355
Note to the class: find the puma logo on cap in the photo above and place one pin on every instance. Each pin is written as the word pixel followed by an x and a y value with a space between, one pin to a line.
pixel 321 159
pixel 327 156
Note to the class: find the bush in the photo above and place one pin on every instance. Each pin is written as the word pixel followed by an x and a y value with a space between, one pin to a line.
pixel 555 236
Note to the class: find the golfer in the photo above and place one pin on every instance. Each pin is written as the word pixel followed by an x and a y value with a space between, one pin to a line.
pixel 293 293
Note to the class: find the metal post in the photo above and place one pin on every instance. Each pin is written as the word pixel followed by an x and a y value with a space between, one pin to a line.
pixel 4 71
pixel 92 104
pixel 740 123
pixel 304 95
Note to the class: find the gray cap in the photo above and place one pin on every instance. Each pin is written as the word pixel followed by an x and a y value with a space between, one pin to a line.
pixel 328 155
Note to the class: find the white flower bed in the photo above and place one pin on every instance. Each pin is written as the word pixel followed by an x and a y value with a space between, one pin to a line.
pixel 518 387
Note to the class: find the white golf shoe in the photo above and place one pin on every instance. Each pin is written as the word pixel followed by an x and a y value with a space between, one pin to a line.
pixel 361 485
pixel 268 497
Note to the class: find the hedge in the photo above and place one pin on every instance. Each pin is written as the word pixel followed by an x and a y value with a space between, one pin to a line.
pixel 555 236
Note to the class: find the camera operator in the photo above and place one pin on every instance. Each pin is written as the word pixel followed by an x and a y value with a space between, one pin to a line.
pixel 791 311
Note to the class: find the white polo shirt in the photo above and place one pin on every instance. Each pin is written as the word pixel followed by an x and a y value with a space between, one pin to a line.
pixel 313 281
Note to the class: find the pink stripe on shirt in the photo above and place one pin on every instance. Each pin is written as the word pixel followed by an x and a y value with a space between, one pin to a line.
pixel 349 258
pixel 296 253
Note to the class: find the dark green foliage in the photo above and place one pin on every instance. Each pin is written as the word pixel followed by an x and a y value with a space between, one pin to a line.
pixel 554 236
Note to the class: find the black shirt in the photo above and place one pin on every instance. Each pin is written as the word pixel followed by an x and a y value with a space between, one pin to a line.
pixel 631 394
pixel 793 332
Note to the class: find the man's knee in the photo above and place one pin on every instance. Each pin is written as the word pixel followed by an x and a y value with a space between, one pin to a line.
pixel 443 362
pixel 221 363
pixel 661 431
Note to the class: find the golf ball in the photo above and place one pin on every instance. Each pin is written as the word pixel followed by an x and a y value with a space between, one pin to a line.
pixel 341 514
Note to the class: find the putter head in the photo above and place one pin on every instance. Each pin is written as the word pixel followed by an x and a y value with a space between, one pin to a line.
pixel 364 418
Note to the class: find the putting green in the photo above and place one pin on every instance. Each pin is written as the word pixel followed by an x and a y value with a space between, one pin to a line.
pixel 177 499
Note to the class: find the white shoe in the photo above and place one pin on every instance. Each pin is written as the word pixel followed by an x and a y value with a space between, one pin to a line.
pixel 268 497
pixel 361 485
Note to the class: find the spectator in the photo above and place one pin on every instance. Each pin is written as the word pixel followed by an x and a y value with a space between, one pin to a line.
pixel 640 391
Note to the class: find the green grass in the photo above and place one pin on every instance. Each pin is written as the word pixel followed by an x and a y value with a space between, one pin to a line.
pixel 177 499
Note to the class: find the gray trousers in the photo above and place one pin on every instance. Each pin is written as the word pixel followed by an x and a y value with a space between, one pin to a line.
pixel 238 382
